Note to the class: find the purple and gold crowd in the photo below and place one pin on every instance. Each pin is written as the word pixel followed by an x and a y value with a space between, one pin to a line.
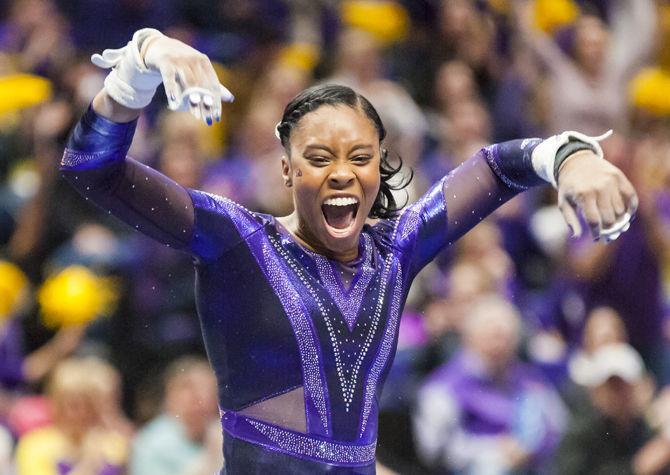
pixel 522 350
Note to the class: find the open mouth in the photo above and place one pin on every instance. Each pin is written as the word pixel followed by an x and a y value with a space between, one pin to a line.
pixel 340 213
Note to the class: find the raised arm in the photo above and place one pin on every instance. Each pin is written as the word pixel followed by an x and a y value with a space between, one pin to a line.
pixel 95 164
pixel 95 161
pixel 541 44
pixel 572 162
pixel 633 32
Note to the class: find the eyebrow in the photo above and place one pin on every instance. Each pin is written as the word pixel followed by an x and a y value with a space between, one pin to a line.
pixel 329 150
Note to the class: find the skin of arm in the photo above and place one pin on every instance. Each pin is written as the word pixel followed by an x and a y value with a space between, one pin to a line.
pixel 108 108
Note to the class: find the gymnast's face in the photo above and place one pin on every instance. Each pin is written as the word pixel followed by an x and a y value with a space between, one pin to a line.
pixel 333 171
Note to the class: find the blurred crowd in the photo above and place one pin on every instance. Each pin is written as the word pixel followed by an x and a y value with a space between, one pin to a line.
pixel 521 349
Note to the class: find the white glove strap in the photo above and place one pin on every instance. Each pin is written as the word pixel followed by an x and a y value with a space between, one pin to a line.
pixel 544 155
pixel 130 83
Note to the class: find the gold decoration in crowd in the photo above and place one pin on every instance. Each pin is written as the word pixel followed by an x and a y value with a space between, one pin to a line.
pixel 650 91
pixel 13 289
pixel 387 21
pixel 551 15
pixel 19 91
pixel 300 55
pixel 76 296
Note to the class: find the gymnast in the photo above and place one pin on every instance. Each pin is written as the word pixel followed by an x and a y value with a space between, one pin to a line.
pixel 300 313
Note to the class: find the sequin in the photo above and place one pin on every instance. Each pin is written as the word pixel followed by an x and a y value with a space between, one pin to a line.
pixel 385 350
pixel 349 302
pixel 347 375
pixel 81 160
pixel 315 385
pixel 344 342
pixel 305 446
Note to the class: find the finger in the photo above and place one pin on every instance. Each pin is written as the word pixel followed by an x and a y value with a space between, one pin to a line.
pixel 589 207
pixel 619 205
pixel 207 109
pixel 606 210
pixel 194 102
pixel 226 95
pixel 172 89
pixel 210 79
pixel 204 115
pixel 628 193
pixel 206 112
pixel 197 105
pixel 571 218
pixel 216 112
pixel 195 111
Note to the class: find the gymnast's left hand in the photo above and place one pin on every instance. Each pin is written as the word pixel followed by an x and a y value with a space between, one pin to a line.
pixel 598 190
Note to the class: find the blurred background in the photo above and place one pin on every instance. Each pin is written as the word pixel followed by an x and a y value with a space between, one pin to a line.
pixel 520 350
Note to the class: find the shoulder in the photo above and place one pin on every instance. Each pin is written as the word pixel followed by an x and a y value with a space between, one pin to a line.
pixel 394 231
pixel 220 224
pixel 204 201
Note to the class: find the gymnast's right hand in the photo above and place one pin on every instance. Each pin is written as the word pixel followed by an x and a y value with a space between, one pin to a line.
pixel 151 58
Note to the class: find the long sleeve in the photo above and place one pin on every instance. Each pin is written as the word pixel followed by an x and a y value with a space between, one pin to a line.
pixel 463 198
pixel 95 163
pixel 200 223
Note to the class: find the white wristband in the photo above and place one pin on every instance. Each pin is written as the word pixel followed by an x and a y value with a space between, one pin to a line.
pixel 544 155
pixel 130 83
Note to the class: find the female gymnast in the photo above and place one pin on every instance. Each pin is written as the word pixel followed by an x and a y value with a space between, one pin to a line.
pixel 300 313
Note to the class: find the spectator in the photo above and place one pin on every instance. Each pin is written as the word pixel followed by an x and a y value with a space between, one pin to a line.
pixel 627 274
pixel 485 411
pixel 587 88
pixel 186 439
pixel 614 437
pixel 78 441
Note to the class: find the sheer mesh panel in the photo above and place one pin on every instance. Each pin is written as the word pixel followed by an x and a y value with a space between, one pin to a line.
pixel 471 193
pixel 142 197
pixel 286 410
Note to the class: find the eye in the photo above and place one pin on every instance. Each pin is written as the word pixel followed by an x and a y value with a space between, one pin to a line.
pixel 318 160
pixel 361 158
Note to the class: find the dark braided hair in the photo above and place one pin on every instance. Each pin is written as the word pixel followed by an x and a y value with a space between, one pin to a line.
pixel 314 97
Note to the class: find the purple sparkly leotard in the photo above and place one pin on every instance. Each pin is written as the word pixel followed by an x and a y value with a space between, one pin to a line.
pixel 300 356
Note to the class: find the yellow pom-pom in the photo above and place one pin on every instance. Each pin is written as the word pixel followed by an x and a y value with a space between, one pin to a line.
pixel 300 55
pixel 551 15
pixel 650 91
pixel 18 91
pixel 387 21
pixel 13 289
pixel 76 296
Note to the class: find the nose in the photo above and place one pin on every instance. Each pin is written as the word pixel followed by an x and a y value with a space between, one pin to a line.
pixel 341 176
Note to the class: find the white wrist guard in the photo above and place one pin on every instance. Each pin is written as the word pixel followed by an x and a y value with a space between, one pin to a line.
pixel 544 155
pixel 130 83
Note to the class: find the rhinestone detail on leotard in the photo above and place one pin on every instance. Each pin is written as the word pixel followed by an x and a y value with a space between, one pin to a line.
pixel 349 302
pixel 324 450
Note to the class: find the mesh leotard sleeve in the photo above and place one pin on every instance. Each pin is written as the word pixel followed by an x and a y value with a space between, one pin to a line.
pixel 95 163
pixel 463 198
pixel 202 224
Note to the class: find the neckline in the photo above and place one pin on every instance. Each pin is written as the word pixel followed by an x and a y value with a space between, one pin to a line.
pixel 356 262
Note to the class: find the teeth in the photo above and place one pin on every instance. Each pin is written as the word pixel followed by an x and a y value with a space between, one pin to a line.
pixel 341 201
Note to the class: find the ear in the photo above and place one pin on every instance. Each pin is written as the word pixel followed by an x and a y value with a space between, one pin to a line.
pixel 286 170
